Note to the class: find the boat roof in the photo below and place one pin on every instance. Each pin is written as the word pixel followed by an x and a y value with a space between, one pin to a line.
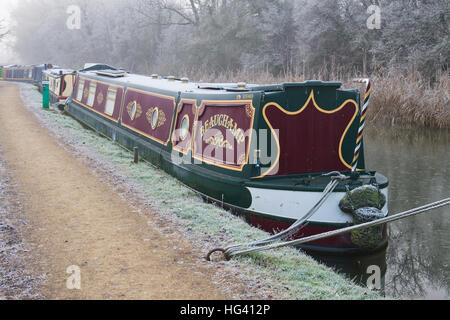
pixel 43 65
pixel 96 66
pixel 18 66
pixel 57 71
pixel 177 84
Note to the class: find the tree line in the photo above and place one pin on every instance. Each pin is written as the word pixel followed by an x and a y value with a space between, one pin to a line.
pixel 309 37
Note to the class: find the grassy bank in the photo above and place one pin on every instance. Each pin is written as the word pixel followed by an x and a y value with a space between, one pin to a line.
pixel 289 273
pixel 398 98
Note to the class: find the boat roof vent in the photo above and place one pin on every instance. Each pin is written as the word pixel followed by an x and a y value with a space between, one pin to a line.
pixel 241 85
pixel 210 87
pixel 97 67
pixel 112 73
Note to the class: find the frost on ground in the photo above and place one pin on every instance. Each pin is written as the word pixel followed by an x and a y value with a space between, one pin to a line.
pixel 282 274
pixel 17 281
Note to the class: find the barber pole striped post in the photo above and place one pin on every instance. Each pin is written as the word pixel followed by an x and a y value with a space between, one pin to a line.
pixel 362 120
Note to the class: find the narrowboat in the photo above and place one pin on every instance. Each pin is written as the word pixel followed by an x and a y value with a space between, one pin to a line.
pixel 60 84
pixel 260 150
pixel 38 74
pixel 18 73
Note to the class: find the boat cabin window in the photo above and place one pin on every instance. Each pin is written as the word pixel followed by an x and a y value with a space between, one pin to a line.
pixel 110 101
pixel 155 118
pixel 67 85
pixel 91 97
pixel 64 84
pixel 80 91
pixel 184 127
pixel 58 86
pixel 133 110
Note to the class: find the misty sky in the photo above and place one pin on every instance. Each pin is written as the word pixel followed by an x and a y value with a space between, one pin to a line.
pixel 315 38
pixel 6 54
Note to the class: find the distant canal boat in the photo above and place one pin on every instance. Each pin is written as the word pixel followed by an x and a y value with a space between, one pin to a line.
pixel 38 72
pixel 60 84
pixel 260 150
pixel 17 73
pixel 30 73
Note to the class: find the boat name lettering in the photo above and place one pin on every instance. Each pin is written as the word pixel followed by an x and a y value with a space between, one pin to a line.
pixel 225 121
pixel 218 141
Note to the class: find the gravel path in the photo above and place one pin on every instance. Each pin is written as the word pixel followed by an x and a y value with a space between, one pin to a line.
pixel 17 280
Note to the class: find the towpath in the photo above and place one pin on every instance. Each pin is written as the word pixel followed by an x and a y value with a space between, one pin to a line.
pixel 74 219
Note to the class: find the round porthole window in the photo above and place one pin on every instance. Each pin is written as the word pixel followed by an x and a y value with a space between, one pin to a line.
pixel 154 118
pixel 184 128
pixel 133 111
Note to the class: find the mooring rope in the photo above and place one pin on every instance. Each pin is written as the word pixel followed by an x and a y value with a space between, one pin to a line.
pixel 335 177
pixel 362 120
pixel 398 216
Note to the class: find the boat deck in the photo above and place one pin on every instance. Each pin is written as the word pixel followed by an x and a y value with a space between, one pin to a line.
pixel 310 182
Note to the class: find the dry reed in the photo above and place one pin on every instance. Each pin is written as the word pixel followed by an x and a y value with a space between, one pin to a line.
pixel 399 98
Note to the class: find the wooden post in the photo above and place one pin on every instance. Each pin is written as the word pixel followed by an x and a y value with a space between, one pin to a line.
pixel 136 155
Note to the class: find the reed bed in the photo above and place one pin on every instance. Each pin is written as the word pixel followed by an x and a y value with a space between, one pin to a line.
pixel 410 100
pixel 399 98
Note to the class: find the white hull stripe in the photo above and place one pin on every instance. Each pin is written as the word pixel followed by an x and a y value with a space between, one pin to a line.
pixel 295 204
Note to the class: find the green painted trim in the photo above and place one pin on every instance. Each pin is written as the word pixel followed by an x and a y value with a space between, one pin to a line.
pixel 312 83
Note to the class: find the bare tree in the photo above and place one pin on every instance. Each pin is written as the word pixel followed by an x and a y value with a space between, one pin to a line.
pixel 166 36
pixel 3 30
pixel 185 12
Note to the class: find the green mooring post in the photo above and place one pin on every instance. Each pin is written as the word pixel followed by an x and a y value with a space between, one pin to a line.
pixel 45 95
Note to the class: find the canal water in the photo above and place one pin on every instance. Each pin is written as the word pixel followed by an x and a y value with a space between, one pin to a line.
pixel 417 163
pixel 416 263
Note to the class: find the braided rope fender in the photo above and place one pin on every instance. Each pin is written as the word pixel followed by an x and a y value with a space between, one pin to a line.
pixel 362 121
